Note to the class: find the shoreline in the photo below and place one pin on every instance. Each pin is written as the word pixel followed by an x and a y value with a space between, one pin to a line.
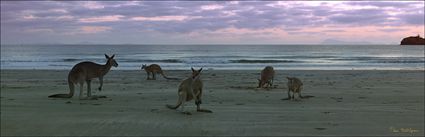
pixel 250 69
pixel 346 102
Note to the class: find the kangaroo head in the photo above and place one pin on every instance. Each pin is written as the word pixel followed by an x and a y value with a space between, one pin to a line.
pixel 196 73
pixel 111 60
pixel 144 66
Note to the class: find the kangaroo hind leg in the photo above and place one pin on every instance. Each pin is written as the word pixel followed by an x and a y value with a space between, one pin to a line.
pixel 147 75
pixel 301 87
pixel 81 90
pixel 183 97
pixel 88 88
pixel 199 102
pixel 71 88
pixel 299 93
pixel 154 75
pixel 101 83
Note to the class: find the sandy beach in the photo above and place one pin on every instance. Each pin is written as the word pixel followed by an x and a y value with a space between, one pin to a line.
pixel 355 103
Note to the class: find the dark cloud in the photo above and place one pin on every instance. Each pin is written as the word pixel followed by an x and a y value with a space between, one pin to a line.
pixel 383 3
pixel 416 19
pixel 361 17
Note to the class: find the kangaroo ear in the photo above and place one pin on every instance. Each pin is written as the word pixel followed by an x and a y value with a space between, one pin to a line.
pixel 106 56
pixel 192 69
pixel 112 56
pixel 200 70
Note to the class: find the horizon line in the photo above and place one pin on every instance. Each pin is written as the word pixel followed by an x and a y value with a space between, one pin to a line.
pixel 142 44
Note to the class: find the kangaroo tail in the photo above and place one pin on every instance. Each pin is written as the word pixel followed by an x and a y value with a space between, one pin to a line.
pixel 171 78
pixel 163 75
pixel 60 96
pixel 71 92
pixel 307 96
pixel 172 107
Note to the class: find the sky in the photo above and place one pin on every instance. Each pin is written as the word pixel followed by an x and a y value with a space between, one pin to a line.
pixel 209 22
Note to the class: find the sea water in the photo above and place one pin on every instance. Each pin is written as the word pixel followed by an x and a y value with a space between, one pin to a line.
pixel 246 57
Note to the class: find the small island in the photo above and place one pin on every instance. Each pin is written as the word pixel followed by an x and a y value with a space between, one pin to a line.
pixel 413 40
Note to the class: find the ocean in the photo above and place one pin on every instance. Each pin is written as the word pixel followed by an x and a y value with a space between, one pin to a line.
pixel 220 57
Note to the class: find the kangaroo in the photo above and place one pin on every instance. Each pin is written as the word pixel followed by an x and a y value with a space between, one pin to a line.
pixel 190 88
pixel 154 69
pixel 84 72
pixel 267 75
pixel 295 85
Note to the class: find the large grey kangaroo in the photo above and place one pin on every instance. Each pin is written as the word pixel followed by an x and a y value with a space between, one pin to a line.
pixel 190 88
pixel 85 72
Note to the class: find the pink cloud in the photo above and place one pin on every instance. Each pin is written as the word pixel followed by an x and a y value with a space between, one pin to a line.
pixel 366 33
pixel 164 18
pixel 211 7
pixel 101 19
pixel 311 35
pixel 39 30
pixel 64 17
pixel 94 29
pixel 58 10
pixel 29 17
pixel 93 5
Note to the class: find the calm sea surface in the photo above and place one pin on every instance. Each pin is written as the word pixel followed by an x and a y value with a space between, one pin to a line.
pixel 250 57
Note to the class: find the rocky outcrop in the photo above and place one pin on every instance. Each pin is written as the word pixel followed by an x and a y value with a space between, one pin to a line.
pixel 413 40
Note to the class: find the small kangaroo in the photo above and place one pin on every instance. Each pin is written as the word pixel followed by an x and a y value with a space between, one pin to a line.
pixel 267 75
pixel 154 69
pixel 190 88
pixel 84 72
pixel 295 85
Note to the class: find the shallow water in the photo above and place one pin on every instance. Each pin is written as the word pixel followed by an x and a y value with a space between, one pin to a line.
pixel 250 57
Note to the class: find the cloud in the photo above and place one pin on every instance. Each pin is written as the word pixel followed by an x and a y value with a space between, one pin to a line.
pixel 233 2
pixel 92 5
pixel 164 18
pixel 94 29
pixel 382 4
pixel 212 7
pixel 29 17
pixel 297 18
pixel 392 29
pixel 361 17
pixel 415 19
pixel 41 30
pixel 110 18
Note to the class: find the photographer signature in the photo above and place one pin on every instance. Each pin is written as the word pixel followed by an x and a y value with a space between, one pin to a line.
pixel 403 130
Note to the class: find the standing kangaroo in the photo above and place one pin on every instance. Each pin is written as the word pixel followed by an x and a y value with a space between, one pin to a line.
pixel 295 85
pixel 154 69
pixel 188 89
pixel 267 75
pixel 84 72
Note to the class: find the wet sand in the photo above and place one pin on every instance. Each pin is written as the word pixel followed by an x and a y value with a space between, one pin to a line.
pixel 355 103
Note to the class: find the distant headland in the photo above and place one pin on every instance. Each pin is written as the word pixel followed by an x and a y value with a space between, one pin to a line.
pixel 413 40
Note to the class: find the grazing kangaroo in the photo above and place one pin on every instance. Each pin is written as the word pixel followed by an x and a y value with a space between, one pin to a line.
pixel 84 72
pixel 267 75
pixel 295 85
pixel 188 89
pixel 154 69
